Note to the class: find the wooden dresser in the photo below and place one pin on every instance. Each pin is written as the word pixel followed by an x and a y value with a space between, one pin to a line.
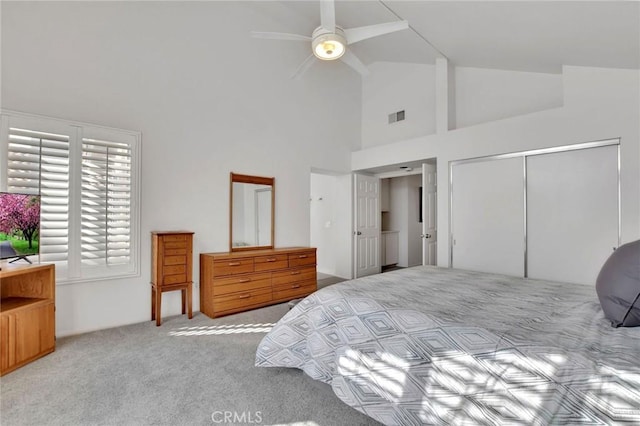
pixel 240 281
pixel 27 314
pixel 171 269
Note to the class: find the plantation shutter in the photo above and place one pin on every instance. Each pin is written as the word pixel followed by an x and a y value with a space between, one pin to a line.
pixel 87 177
pixel 38 163
pixel 106 203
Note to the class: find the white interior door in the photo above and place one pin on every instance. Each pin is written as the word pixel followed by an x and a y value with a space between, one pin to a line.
pixel 572 213
pixel 367 225
pixel 429 218
pixel 487 216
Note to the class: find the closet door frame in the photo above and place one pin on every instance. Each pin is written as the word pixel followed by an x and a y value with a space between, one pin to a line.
pixel 524 155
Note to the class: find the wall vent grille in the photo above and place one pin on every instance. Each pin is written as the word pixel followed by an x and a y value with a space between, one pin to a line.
pixel 396 116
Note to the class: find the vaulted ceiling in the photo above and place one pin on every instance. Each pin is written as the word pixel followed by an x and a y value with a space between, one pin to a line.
pixel 537 36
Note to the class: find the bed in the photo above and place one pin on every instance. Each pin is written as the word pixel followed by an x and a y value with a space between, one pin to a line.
pixel 429 345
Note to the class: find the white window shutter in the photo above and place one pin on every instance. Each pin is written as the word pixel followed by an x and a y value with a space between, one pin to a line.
pixel 106 203
pixel 88 179
pixel 38 163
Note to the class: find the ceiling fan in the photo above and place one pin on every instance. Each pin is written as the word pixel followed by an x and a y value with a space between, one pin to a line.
pixel 329 41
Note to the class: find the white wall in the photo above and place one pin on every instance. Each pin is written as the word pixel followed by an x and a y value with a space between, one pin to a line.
pixel 414 228
pixel 399 216
pixel 384 93
pixel 484 95
pixel 384 196
pixel 404 217
pixel 322 218
pixel 598 104
pixel 205 106
pixel 481 95
pixel 331 222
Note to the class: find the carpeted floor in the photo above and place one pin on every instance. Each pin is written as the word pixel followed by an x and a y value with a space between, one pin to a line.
pixel 185 372
pixel 328 281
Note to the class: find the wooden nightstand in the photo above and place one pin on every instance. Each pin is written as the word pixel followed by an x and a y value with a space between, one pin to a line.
pixel 171 269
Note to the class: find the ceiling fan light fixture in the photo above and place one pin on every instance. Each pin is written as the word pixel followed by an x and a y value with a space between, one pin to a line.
pixel 329 41
pixel 329 47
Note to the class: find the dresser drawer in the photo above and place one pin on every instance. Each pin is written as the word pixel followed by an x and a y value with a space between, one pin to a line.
pixel 174 245
pixel 271 263
pixel 240 300
pixel 174 260
pixel 174 279
pixel 241 283
pixel 175 251
pixel 292 276
pixel 294 290
pixel 174 269
pixel 302 258
pixel 175 238
pixel 232 267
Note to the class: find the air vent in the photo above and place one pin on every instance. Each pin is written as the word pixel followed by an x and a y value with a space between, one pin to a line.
pixel 396 116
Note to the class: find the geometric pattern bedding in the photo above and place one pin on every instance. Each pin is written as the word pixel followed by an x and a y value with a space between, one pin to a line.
pixel 429 345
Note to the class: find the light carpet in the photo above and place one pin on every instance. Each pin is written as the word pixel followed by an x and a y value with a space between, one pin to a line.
pixel 185 372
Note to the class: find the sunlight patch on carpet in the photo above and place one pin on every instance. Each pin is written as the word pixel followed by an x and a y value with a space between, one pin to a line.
pixel 222 329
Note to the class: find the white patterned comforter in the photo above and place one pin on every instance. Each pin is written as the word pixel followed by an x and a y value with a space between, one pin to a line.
pixel 431 345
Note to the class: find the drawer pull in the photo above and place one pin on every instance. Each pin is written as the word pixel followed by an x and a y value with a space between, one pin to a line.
pixel 244 296
pixel 295 286
pixel 302 256
pixel 295 273
pixel 271 259
pixel 234 263
pixel 245 280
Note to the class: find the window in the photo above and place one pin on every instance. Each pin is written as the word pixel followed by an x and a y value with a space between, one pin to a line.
pixel 38 163
pixel 106 202
pixel 87 177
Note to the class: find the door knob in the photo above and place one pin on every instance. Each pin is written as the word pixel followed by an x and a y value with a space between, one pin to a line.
pixel 427 235
pixel 359 233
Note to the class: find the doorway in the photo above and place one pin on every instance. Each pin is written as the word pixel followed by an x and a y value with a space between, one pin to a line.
pixel 401 225
pixel 408 214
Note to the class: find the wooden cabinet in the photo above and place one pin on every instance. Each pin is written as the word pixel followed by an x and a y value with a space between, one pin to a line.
pixel 27 314
pixel 239 281
pixel 171 269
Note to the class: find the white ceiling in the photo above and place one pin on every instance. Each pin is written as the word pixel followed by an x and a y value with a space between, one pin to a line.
pixel 536 36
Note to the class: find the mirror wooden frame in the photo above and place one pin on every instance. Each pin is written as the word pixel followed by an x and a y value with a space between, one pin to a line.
pixel 258 180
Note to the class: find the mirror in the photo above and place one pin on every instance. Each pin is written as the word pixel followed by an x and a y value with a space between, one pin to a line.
pixel 251 212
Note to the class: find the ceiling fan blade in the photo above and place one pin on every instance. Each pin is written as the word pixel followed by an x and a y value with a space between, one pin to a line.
pixel 352 60
pixel 280 36
pixel 355 35
pixel 311 59
pixel 328 15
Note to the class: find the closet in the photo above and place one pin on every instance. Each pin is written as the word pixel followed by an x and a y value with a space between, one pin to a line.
pixel 547 214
